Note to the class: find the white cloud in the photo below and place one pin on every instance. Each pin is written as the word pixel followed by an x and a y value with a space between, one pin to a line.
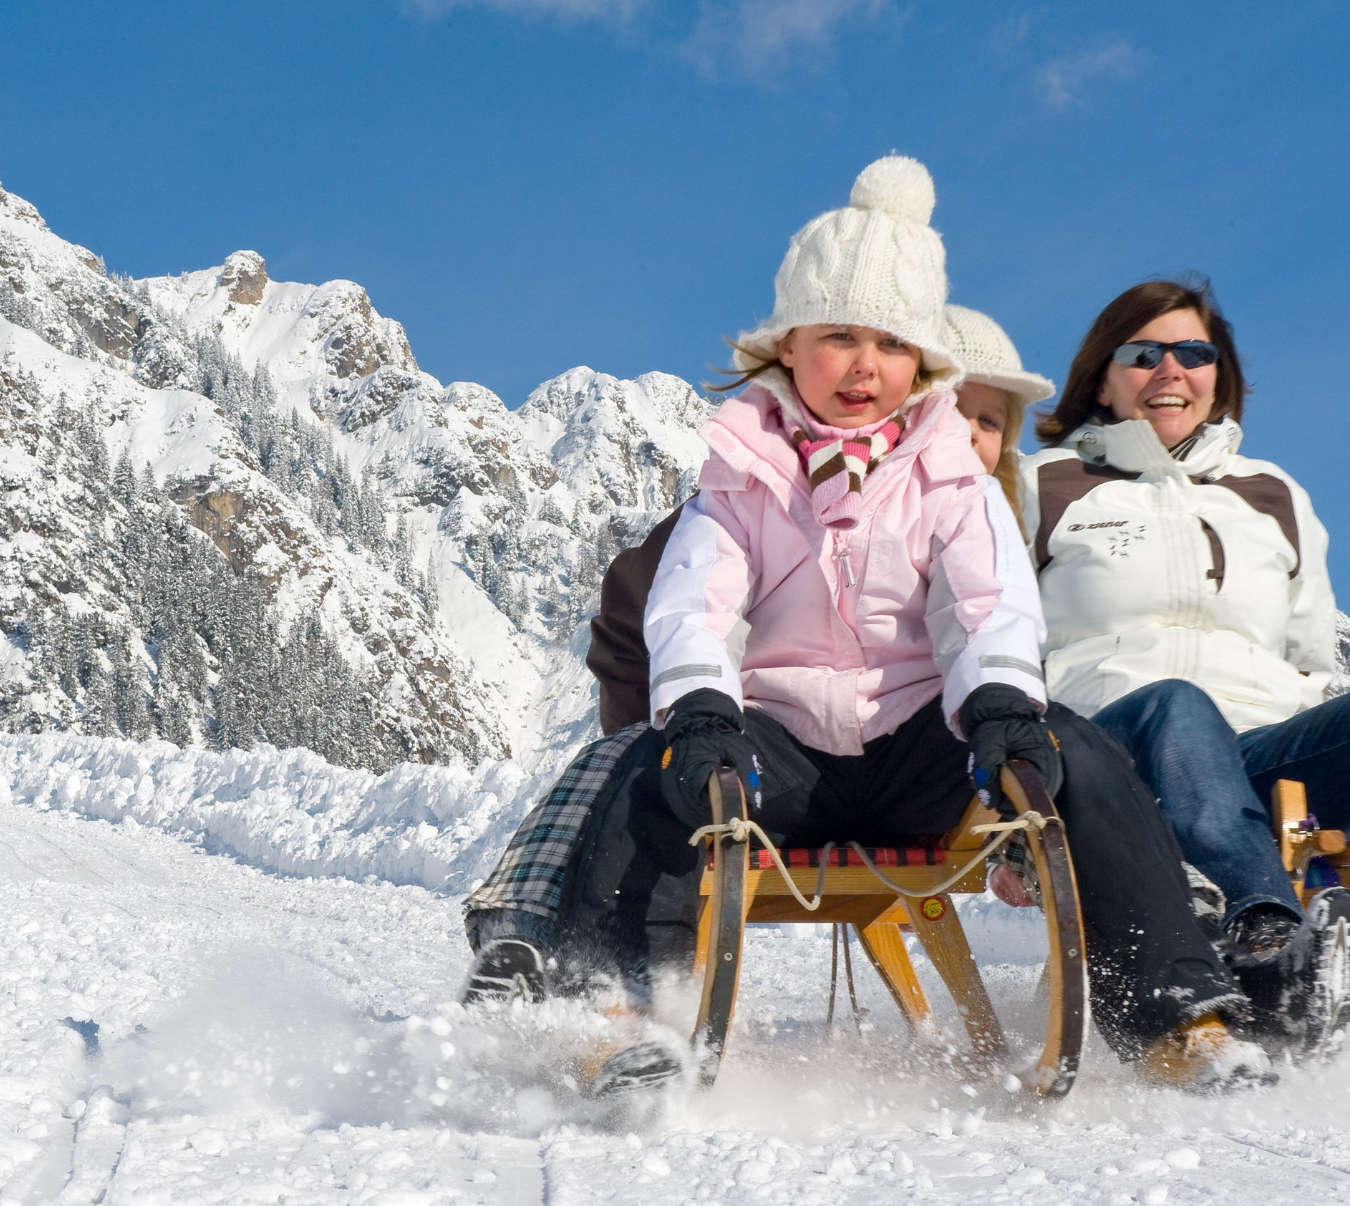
pixel 762 36
pixel 1063 81
pixel 758 37
pixel 614 12
pixel 1012 31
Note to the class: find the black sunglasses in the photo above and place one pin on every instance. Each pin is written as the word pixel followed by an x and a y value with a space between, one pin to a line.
pixel 1148 353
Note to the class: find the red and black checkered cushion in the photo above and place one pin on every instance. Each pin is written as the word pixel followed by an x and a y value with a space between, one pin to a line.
pixel 845 856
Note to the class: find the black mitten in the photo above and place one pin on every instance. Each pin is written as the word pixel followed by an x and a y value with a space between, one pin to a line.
pixel 1000 723
pixel 704 732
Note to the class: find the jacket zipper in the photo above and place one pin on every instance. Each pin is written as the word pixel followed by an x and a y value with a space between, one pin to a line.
pixel 841 556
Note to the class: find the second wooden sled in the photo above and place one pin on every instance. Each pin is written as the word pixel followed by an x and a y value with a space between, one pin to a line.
pixel 733 893
pixel 1315 858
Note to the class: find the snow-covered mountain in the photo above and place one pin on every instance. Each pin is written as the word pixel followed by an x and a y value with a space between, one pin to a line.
pixel 421 552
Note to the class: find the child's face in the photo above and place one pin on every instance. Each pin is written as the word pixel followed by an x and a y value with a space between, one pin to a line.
pixel 986 407
pixel 849 376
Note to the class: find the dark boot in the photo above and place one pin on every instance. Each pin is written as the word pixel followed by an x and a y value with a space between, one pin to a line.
pixel 507 969
pixel 1256 936
pixel 1299 992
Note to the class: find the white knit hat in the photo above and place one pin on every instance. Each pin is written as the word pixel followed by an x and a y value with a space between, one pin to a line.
pixel 874 264
pixel 989 355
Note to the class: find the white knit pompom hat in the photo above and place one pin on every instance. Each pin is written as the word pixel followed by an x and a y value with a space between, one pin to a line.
pixel 989 355
pixel 876 264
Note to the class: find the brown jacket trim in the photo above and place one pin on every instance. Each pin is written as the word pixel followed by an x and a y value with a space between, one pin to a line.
pixel 1216 553
pixel 1060 484
pixel 618 652
pixel 1271 496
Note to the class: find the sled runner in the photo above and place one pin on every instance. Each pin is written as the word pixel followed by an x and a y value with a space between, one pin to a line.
pixel 743 884
pixel 1315 858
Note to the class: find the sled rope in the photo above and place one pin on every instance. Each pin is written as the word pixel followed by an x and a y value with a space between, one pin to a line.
pixel 741 830
pixel 838 934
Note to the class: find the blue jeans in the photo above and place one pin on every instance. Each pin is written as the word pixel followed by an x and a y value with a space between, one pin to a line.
pixel 1213 784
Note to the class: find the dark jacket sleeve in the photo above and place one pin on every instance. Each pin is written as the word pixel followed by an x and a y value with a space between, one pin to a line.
pixel 618 654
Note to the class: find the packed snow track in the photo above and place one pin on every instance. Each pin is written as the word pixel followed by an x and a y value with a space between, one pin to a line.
pixel 232 978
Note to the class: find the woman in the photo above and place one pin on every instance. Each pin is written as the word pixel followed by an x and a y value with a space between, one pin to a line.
pixel 1189 613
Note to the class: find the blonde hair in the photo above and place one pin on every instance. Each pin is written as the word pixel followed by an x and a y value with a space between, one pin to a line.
pixel 1006 472
pixel 757 369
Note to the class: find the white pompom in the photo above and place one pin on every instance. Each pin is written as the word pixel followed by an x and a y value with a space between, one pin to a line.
pixel 898 185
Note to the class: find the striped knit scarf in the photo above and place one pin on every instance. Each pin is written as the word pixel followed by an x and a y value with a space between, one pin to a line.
pixel 837 462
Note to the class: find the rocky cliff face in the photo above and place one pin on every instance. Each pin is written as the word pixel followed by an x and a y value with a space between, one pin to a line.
pixel 62 293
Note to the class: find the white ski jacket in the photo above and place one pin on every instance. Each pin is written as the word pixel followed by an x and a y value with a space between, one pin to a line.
pixel 1210 569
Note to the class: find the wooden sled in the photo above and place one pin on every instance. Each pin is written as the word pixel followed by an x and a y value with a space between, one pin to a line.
pixel 1315 858
pixel 734 893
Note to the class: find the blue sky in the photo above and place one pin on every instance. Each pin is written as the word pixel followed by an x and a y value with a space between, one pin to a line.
pixel 533 184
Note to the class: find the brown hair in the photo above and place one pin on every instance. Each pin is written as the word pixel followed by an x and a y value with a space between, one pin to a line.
pixel 1122 317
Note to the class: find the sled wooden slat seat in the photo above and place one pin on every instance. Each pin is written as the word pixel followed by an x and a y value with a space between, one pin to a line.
pixel 853 892
pixel 741 885
pixel 847 856
pixel 1302 842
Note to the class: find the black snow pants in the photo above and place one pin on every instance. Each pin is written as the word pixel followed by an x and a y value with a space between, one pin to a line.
pixel 632 897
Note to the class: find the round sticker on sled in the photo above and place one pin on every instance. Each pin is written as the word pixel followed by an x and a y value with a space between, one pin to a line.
pixel 933 907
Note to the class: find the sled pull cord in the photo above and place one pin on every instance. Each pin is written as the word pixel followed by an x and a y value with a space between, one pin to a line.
pixel 741 830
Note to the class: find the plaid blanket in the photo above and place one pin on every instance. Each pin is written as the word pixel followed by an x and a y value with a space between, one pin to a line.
pixel 533 868
pixel 1014 853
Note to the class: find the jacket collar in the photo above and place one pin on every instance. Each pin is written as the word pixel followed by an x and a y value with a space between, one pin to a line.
pixel 1133 445
pixel 746 434
pixel 747 439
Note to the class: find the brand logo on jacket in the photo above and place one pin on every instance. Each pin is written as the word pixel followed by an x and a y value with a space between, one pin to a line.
pixel 1118 542
pixel 1121 534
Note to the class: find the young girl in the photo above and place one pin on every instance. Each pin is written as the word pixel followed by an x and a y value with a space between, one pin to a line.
pixel 524 893
pixel 994 394
pixel 844 605
pixel 992 397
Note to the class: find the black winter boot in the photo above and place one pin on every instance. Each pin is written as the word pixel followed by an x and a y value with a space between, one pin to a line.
pixel 1300 994
pixel 1257 935
pixel 507 969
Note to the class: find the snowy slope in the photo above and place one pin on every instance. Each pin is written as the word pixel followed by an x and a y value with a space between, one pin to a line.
pixel 272 977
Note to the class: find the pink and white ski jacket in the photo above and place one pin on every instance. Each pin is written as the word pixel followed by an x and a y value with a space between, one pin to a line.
pixel 842 636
